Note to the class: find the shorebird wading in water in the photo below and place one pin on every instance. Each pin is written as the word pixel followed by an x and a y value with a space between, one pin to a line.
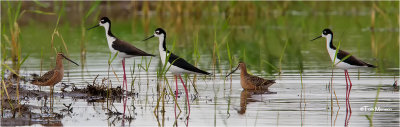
pixel 251 82
pixel 175 64
pixel 54 76
pixel 345 61
pixel 124 49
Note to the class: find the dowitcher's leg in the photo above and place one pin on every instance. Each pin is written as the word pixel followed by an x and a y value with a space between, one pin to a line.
pixel 51 98
pixel 187 97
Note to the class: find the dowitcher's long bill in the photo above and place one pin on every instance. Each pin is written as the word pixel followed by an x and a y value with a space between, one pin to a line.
pixel 233 71
pixel 343 60
pixel 69 59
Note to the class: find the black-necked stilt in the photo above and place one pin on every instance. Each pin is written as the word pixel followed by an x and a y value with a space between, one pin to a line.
pixel 176 64
pixel 251 82
pixel 343 60
pixel 124 49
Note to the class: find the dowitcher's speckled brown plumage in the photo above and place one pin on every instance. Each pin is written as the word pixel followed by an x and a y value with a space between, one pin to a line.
pixel 251 82
pixel 54 76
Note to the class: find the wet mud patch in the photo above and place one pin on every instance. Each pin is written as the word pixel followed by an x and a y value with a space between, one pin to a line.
pixel 14 114
pixel 24 113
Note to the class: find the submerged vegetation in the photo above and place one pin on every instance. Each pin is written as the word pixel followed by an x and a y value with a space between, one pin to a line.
pixel 272 37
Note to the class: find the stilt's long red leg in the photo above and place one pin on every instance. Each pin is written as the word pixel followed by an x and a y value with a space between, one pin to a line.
pixel 345 76
pixel 176 94
pixel 351 85
pixel 187 98
pixel 123 67
pixel 124 84
pixel 125 81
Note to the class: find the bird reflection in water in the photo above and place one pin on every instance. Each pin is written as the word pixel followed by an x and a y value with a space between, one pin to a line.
pixel 246 97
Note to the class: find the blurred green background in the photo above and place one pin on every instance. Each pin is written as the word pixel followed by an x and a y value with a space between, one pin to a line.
pixel 254 32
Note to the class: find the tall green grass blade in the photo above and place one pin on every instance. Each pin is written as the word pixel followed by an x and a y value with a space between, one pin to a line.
pixel 41 12
pixel 337 51
pixel 346 57
pixel 113 58
pixel 41 4
pixel 8 96
pixel 10 69
pixel 271 65
pixel 92 9
pixel 17 11
pixel 23 61
pixel 229 54
pixel 281 56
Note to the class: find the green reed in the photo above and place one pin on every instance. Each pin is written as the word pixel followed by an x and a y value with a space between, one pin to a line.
pixel 196 56
pixel 370 117
pixel 133 78
pixel 109 85
pixel 3 86
pixel 281 57
pixel 83 40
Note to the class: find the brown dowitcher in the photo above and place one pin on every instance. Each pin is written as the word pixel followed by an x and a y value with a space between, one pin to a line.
pixel 54 76
pixel 251 82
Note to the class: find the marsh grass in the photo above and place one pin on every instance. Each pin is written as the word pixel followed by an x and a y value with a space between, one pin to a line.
pixel 133 78
pixel 83 40
pixel 281 57
pixel 370 117
pixel 302 97
pixel 15 31
pixel 109 84
pixel 252 15
pixel 3 69
pixel 196 56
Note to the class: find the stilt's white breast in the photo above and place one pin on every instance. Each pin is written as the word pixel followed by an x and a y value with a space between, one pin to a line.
pixel 110 41
pixel 172 68
pixel 332 52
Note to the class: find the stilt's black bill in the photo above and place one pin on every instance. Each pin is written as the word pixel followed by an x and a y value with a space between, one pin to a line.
pixel 70 60
pixel 148 38
pixel 232 71
pixel 316 38
pixel 93 27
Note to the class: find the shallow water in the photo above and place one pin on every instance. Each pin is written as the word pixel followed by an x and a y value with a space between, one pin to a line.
pixel 265 32
pixel 218 104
